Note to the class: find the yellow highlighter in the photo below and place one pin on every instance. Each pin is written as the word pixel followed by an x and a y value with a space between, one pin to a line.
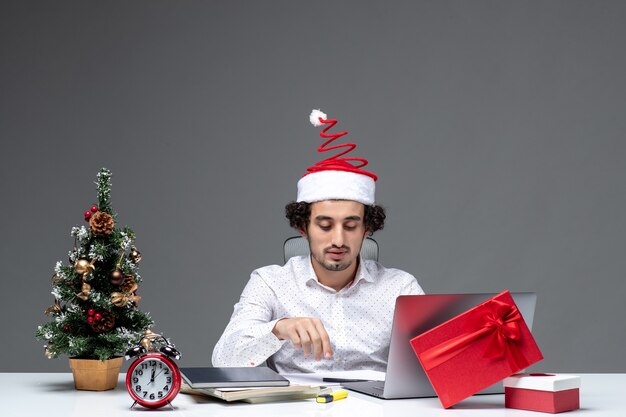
pixel 333 396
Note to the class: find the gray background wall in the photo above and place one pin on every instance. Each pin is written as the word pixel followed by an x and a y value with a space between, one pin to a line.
pixel 496 128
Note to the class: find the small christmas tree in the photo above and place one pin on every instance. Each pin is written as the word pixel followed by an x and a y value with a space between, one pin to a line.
pixel 95 314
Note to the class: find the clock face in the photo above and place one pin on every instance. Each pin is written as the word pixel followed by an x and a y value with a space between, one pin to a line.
pixel 153 380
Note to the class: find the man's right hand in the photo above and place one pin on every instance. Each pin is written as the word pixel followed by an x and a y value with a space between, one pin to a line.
pixel 305 333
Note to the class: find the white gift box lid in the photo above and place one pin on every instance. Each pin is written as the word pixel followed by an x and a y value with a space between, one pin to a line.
pixel 543 382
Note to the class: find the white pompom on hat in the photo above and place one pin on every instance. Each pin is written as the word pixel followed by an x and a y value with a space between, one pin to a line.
pixel 336 178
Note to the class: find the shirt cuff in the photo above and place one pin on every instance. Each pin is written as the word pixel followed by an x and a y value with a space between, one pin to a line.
pixel 267 342
pixel 265 333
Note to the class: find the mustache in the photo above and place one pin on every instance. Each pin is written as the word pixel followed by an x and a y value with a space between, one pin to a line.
pixel 342 247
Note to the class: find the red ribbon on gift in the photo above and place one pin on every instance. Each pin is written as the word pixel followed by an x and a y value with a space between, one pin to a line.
pixel 495 319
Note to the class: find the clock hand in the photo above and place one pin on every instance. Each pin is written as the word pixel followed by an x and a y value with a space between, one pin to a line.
pixel 160 372
pixel 152 376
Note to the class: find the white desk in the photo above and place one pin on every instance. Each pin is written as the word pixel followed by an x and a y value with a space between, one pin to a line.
pixel 52 395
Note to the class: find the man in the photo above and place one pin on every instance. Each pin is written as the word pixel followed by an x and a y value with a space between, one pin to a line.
pixel 332 310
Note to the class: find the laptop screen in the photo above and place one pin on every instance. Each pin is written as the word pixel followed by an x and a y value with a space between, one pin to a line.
pixel 415 314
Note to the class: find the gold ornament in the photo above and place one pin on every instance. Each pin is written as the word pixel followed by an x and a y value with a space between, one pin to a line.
pixel 134 255
pixel 85 290
pixel 120 299
pixel 127 295
pixel 53 309
pixel 55 279
pixel 47 350
pixel 146 341
pixel 117 277
pixel 83 266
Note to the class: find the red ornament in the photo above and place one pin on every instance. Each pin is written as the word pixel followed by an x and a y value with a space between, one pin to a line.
pixel 87 216
pixel 90 320
pixel 94 208
pixel 66 328
pixel 91 311
pixel 97 316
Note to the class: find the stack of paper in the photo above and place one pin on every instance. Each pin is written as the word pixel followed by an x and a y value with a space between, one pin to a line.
pixel 257 395
pixel 250 384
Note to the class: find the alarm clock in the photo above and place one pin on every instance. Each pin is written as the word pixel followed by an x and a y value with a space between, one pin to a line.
pixel 153 379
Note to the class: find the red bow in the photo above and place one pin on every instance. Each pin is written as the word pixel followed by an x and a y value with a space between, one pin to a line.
pixel 495 319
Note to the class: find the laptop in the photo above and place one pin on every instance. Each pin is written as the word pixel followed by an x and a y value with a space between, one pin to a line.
pixel 413 315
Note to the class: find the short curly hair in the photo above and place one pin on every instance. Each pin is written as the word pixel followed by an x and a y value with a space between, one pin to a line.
pixel 299 214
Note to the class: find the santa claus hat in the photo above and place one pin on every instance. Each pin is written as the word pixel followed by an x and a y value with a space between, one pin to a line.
pixel 336 178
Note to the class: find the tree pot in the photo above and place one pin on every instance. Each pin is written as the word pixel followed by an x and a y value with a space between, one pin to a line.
pixel 94 374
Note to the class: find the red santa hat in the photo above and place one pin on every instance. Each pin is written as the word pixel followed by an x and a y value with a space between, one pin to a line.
pixel 336 178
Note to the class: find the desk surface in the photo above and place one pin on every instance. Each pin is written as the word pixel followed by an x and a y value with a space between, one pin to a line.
pixel 51 395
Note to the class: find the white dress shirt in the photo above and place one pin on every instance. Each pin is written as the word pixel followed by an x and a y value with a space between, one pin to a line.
pixel 357 318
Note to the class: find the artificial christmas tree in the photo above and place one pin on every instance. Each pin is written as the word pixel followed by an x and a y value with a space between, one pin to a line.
pixel 95 315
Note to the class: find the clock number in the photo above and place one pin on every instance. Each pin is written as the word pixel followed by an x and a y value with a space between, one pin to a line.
pixel 152 396
pixel 167 371
pixel 138 372
pixel 169 380
pixel 135 379
pixel 160 394
pixel 144 365
pixel 138 388
pixel 166 388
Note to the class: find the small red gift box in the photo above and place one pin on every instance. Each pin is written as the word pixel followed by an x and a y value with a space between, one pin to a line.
pixel 548 393
pixel 476 349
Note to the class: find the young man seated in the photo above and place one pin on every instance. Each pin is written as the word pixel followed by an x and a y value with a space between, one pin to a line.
pixel 332 310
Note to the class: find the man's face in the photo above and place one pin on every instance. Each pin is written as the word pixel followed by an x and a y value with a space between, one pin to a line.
pixel 335 233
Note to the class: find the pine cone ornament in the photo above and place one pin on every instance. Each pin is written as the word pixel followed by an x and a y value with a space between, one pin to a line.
pixel 129 285
pixel 101 223
pixel 106 322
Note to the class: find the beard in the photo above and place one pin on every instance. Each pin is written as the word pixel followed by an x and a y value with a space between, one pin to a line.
pixel 332 266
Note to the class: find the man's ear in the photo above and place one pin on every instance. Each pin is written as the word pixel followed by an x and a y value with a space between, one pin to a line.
pixel 303 233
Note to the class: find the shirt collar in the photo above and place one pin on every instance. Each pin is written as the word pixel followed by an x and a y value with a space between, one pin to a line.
pixel 362 272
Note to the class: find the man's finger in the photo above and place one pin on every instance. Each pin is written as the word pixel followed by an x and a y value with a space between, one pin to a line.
pixel 313 327
pixel 295 339
pixel 305 340
pixel 327 348
pixel 316 342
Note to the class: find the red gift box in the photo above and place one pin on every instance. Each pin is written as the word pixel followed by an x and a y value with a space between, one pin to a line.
pixel 476 349
pixel 547 393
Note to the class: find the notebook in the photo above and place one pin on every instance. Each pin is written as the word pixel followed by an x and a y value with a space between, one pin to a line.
pixel 258 395
pixel 208 377
pixel 413 315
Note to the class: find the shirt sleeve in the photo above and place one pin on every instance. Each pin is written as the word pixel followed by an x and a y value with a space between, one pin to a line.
pixel 412 287
pixel 248 339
